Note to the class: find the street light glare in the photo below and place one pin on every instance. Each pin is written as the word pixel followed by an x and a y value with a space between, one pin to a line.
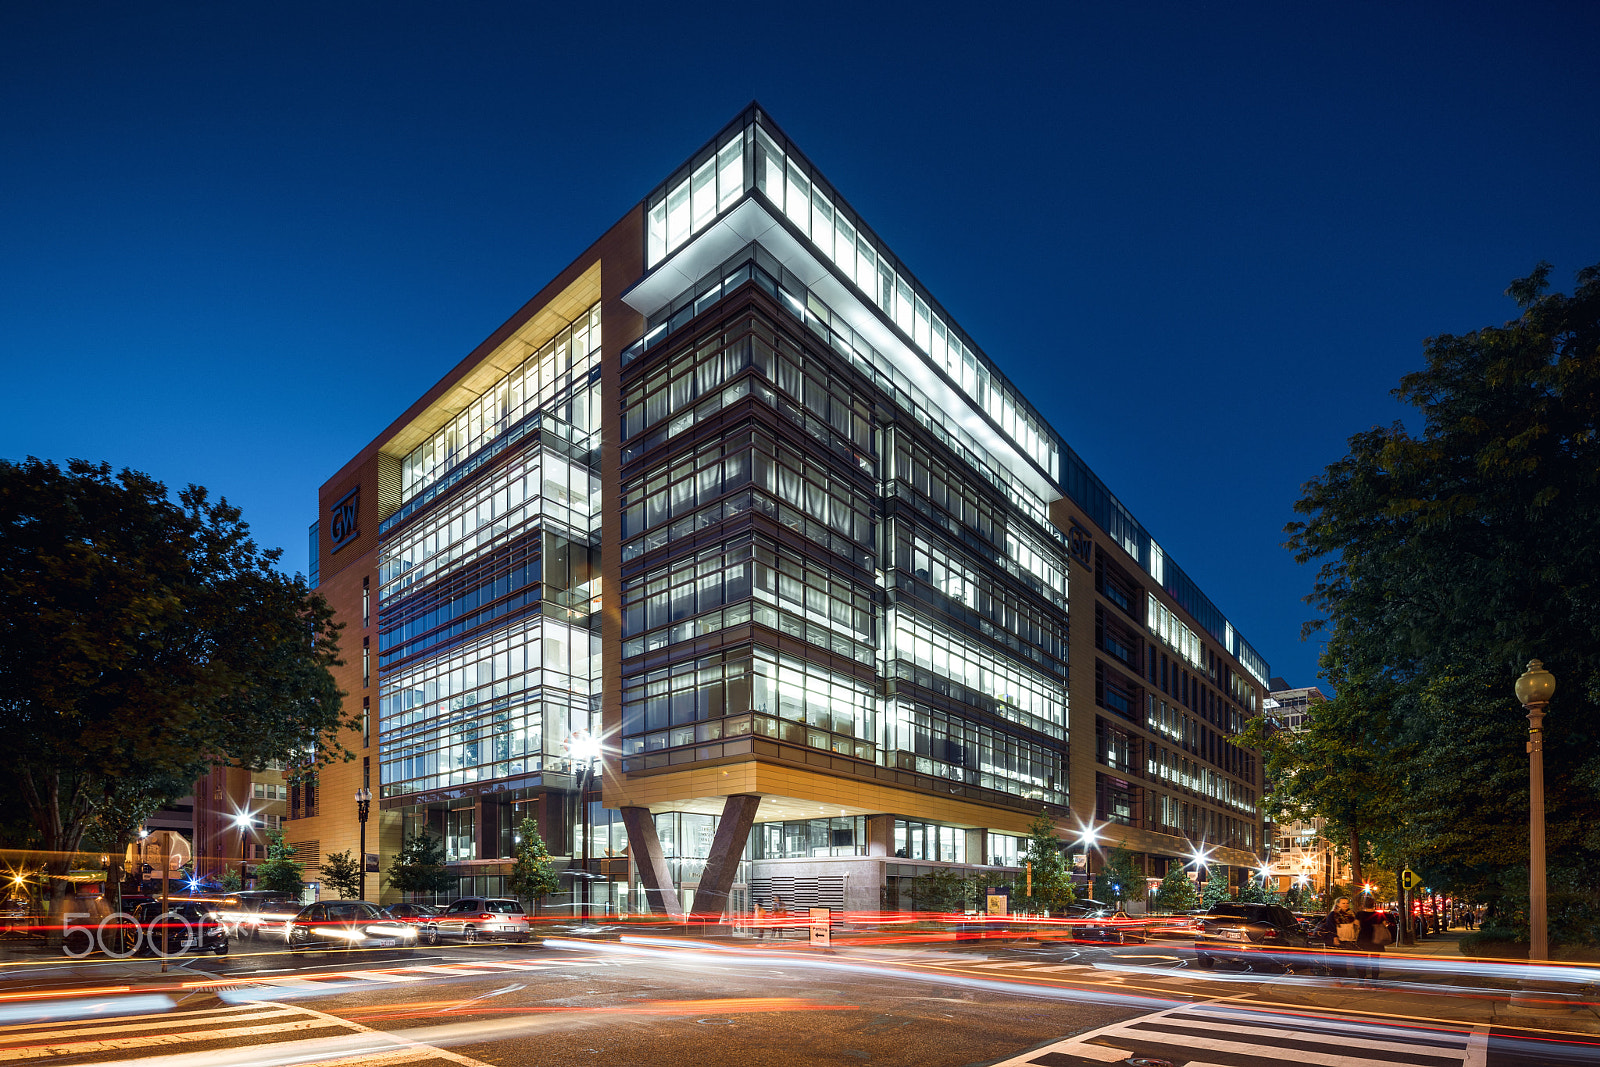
pixel 242 820
pixel 585 746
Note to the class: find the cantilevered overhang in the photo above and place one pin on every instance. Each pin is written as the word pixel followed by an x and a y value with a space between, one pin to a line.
pixel 753 221
pixel 559 312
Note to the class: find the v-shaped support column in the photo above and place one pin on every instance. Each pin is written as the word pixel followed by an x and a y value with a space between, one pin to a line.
pixel 659 891
pixel 727 849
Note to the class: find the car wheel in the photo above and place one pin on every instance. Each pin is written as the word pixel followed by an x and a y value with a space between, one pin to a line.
pixel 221 948
pixel 1205 962
pixel 431 935
pixel 471 934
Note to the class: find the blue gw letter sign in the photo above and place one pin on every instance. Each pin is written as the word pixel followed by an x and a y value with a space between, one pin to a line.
pixel 342 523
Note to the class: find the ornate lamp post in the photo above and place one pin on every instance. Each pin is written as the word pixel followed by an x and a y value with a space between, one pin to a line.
pixel 1534 690
pixel 584 748
pixel 363 805
pixel 1088 838
pixel 243 820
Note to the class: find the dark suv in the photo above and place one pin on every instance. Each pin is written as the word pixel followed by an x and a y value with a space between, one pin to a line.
pixel 1246 932
pixel 186 925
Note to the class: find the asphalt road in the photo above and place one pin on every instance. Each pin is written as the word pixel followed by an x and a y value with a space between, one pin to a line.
pixel 701 1005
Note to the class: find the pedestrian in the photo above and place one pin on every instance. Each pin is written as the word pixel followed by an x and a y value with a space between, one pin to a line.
pixel 777 915
pixel 1339 931
pixel 1372 935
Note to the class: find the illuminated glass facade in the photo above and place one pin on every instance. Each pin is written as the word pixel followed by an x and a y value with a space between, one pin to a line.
pixel 785 526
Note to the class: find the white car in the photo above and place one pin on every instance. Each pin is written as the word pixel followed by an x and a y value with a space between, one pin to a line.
pixel 479 919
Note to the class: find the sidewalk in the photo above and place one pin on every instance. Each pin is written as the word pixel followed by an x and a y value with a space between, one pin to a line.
pixel 1445 944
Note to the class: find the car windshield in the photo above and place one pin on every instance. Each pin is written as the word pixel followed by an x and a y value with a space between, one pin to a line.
pixel 354 910
pixel 503 907
pixel 1253 912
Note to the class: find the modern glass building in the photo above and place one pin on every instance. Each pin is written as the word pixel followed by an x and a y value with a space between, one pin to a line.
pixel 737 496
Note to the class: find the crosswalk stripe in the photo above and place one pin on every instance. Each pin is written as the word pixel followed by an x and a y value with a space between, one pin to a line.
pixel 98 1021
pixel 379 976
pixel 101 1026
pixel 78 1048
pixel 1304 1024
pixel 1243 1038
pixel 450 969
pixel 1284 1039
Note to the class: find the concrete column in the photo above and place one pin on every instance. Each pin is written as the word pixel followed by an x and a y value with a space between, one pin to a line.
pixel 727 849
pixel 978 847
pixel 880 835
pixel 645 848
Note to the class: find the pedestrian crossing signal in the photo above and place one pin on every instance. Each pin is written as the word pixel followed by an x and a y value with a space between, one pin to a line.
pixel 1409 879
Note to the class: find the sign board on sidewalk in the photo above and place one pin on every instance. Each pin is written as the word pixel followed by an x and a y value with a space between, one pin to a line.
pixel 820 918
pixel 997 902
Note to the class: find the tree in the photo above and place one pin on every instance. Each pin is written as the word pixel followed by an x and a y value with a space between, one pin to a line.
pixel 143 639
pixel 341 872
pixel 1215 892
pixel 533 875
pixel 1052 884
pixel 419 867
pixel 1117 880
pixel 1177 893
pixel 1447 558
pixel 279 872
pixel 231 882
pixel 941 889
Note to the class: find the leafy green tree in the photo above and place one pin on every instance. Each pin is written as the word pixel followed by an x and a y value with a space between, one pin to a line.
pixel 279 872
pixel 1216 891
pixel 1119 881
pixel 533 875
pixel 145 638
pixel 942 889
pixel 342 873
pixel 1448 558
pixel 231 882
pixel 1177 893
pixel 1052 882
pixel 419 866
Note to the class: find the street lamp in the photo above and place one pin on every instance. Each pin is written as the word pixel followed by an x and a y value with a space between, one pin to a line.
pixel 584 748
pixel 243 820
pixel 1088 837
pixel 1534 690
pixel 363 805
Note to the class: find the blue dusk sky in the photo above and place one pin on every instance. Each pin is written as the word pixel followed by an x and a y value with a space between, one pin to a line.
pixel 1205 239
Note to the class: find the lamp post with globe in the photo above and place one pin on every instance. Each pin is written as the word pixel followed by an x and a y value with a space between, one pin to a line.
pixel 1534 690
pixel 363 806
pixel 583 748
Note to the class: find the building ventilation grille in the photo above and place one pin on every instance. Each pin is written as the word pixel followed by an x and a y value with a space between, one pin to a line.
pixel 799 893
pixel 308 853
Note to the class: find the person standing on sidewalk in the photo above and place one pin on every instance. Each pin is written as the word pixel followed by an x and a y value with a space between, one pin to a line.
pixel 1339 931
pixel 1372 934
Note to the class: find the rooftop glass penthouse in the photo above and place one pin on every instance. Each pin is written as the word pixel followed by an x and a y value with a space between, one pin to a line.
pixel 735 494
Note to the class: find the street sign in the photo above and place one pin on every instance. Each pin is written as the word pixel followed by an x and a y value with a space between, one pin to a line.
pixel 1409 879
pixel 820 919
pixel 998 903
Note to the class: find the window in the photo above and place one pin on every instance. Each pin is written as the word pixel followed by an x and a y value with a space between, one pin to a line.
pixel 916 840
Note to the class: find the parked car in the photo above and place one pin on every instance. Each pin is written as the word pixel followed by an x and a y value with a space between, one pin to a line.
pixel 1248 933
pixel 1092 920
pixel 413 913
pixel 346 924
pixel 183 925
pixel 479 919
pixel 257 913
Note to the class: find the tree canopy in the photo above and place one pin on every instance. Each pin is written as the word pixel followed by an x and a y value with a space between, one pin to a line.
pixel 533 875
pixel 1052 883
pixel 419 867
pixel 143 639
pixel 341 873
pixel 1447 559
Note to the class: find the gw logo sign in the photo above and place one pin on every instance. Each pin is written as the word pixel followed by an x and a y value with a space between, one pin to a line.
pixel 1081 544
pixel 342 523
